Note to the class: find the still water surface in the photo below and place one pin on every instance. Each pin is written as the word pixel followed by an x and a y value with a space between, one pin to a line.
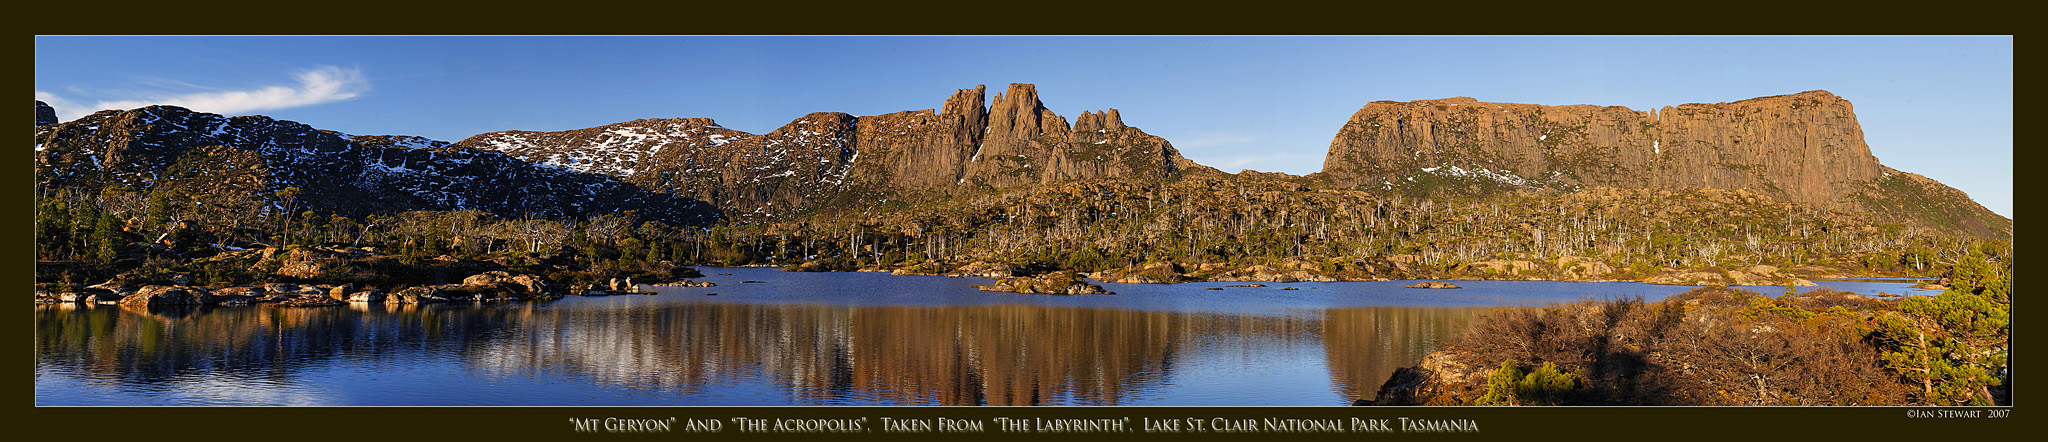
pixel 795 339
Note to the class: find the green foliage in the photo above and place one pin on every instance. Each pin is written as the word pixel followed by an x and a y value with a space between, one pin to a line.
pixel 1955 345
pixel 1087 259
pixel 106 238
pixel 1500 385
pixel 1547 385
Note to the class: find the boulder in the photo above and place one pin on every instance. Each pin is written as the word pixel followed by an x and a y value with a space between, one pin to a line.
pixel 341 292
pixel 1440 373
pixel 420 295
pixel 159 295
pixel 310 301
pixel 366 296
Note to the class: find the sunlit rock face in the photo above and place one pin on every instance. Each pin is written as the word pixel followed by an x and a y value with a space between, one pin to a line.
pixel 969 143
pixel 1805 147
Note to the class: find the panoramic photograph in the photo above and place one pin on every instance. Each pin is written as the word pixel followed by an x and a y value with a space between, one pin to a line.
pixel 1229 221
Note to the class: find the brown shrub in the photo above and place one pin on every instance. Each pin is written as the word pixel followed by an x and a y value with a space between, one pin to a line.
pixel 1709 346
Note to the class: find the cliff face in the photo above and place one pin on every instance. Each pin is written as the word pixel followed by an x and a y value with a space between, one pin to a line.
pixel 252 157
pixel 922 150
pixel 827 158
pixel 1805 147
pixel 1028 143
pixel 1386 143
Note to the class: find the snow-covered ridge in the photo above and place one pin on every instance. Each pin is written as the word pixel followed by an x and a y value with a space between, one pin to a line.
pixel 336 171
pixel 619 150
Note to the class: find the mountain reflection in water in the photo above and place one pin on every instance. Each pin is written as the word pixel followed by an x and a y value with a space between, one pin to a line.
pixel 629 352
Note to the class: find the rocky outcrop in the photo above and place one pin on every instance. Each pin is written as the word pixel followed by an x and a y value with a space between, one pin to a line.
pixel 521 284
pixel 482 287
pixel 249 159
pixel 1433 285
pixel 1057 283
pixel 1441 373
pixel 1805 147
pixel 45 114
pixel 157 295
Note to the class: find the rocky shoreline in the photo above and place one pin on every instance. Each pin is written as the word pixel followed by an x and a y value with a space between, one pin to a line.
pixel 499 281
pixel 321 276
pixel 1400 267
pixel 488 286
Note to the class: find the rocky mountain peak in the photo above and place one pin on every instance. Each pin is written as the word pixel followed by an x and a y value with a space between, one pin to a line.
pixel 1102 121
pixel 45 114
pixel 1017 114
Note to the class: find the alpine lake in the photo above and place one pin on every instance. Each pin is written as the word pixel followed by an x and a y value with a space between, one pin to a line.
pixel 767 337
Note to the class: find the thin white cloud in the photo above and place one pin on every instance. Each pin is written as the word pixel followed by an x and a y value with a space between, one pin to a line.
pixel 1216 139
pixel 324 84
pixel 1292 163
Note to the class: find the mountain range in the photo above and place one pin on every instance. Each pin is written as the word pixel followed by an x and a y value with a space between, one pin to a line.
pixel 1806 148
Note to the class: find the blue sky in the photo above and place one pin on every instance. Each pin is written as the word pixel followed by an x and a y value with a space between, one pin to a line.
pixel 1936 106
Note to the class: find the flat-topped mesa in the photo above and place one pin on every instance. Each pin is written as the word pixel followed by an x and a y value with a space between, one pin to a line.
pixel 1804 147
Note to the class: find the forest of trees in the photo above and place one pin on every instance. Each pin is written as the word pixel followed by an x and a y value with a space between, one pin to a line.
pixel 1083 226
